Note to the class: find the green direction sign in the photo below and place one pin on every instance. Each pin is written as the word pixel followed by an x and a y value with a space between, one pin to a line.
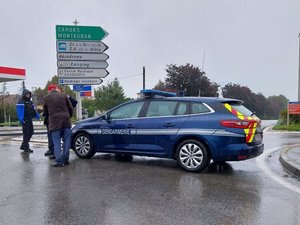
pixel 80 33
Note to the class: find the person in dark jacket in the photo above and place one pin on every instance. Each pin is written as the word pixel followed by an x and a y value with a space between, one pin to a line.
pixel 50 152
pixel 26 113
pixel 59 109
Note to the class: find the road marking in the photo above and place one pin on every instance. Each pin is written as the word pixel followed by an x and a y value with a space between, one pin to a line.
pixel 261 163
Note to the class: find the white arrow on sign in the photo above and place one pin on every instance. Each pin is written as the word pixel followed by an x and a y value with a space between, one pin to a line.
pixel 81 46
pixel 82 73
pixel 82 64
pixel 90 81
pixel 83 56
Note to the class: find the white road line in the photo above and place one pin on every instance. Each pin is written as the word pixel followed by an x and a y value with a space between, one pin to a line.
pixel 261 163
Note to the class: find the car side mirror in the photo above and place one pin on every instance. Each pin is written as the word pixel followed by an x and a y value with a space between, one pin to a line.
pixel 107 117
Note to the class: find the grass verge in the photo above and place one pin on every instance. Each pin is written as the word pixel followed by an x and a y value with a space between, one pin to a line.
pixel 291 127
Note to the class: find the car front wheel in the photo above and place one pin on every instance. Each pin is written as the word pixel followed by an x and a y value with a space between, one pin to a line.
pixel 192 156
pixel 83 146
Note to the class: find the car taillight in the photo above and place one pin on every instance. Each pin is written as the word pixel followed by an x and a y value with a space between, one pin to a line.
pixel 237 123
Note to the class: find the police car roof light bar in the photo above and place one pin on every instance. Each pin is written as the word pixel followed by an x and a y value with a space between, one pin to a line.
pixel 156 93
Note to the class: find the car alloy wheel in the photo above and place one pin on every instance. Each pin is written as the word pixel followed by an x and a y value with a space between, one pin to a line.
pixel 192 156
pixel 83 146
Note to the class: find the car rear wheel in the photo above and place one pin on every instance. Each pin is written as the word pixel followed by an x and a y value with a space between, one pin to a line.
pixel 83 146
pixel 192 156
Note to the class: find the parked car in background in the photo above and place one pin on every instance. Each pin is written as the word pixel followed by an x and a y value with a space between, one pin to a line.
pixel 191 130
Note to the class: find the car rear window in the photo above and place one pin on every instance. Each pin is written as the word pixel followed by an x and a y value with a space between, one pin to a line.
pixel 241 109
pixel 199 108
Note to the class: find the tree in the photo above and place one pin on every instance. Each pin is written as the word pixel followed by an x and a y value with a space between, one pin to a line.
pixel 259 105
pixel 265 108
pixel 244 93
pixel 110 95
pixel 90 105
pixel 276 104
pixel 22 87
pixel 160 86
pixel 39 93
pixel 189 79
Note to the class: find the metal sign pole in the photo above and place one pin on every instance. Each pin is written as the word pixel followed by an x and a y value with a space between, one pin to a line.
pixel 288 114
pixel 78 106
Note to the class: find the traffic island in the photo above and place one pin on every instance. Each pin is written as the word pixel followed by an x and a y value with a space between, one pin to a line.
pixel 290 160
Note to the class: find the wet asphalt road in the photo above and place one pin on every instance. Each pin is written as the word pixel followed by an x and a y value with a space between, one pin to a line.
pixel 103 190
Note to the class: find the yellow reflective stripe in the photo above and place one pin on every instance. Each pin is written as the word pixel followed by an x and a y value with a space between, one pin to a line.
pixel 246 131
pixel 252 136
pixel 228 107
pixel 253 132
pixel 240 116
pixel 249 132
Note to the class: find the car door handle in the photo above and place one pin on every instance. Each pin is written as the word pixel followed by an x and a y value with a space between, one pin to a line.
pixel 169 125
pixel 130 126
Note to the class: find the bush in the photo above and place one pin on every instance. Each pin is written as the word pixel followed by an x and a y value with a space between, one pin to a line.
pixel 293 119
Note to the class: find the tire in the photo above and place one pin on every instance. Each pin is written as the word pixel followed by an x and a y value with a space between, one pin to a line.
pixel 192 156
pixel 83 146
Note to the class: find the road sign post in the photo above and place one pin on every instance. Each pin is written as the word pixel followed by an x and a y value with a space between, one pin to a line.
pixel 84 33
pixel 80 56
pixel 68 73
pixel 71 81
pixel 81 46
pixel 82 64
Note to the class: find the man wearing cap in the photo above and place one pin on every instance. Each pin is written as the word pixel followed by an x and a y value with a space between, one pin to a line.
pixel 59 109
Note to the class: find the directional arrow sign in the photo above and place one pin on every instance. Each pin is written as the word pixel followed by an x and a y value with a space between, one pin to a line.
pixel 81 46
pixel 82 64
pixel 89 81
pixel 82 73
pixel 82 56
pixel 84 33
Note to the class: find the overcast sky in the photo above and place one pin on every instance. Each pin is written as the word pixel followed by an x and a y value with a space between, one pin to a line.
pixel 249 42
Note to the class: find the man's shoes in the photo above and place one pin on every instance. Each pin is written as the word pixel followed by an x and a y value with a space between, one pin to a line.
pixel 66 162
pixel 28 150
pixel 48 153
pixel 57 165
pixel 51 157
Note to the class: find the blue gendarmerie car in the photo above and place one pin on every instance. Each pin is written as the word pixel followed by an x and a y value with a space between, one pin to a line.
pixel 191 130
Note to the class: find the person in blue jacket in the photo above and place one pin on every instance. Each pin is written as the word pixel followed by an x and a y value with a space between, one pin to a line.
pixel 26 112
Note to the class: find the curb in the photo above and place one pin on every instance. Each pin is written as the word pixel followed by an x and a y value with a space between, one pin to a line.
pixel 289 164
pixel 19 132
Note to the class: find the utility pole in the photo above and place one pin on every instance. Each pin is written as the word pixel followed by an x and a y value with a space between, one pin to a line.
pixel 203 60
pixel 23 85
pixel 299 70
pixel 144 78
